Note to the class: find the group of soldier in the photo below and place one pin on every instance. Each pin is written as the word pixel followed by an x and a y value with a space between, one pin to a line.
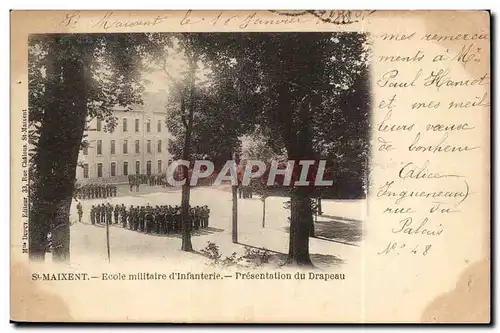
pixel 136 180
pixel 161 220
pixel 91 191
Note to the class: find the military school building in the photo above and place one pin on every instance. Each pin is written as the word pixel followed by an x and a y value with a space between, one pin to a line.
pixel 137 145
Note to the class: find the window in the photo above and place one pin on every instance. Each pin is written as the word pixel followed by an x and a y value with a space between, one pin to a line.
pixel 137 167
pixel 85 150
pixel 149 147
pixel 159 166
pixel 125 146
pixel 113 169
pixel 99 147
pixel 137 150
pixel 159 126
pixel 148 167
pixel 112 147
pixel 125 168
pixel 148 126
pixel 137 125
pixel 99 125
pixel 99 170
pixel 85 170
pixel 159 146
pixel 124 124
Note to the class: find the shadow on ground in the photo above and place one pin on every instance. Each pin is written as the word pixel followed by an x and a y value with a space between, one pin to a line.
pixel 194 233
pixel 317 259
pixel 339 218
pixel 346 232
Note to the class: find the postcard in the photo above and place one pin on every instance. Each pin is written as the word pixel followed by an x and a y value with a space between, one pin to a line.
pixel 318 166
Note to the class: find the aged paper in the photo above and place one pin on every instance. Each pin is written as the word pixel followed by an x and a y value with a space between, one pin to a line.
pixel 400 112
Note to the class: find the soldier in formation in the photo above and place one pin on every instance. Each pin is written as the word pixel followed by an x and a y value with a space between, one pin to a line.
pixel 94 191
pixel 136 180
pixel 101 214
pixel 159 220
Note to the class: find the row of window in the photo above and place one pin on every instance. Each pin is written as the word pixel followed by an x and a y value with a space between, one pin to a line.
pixel 113 170
pixel 137 125
pixel 125 147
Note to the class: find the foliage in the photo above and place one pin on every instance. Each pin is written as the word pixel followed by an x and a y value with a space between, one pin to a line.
pixel 260 256
pixel 72 79
pixel 113 68
pixel 303 89
pixel 303 95
pixel 253 257
pixel 211 251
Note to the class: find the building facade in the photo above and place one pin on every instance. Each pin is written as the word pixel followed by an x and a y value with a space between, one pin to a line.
pixel 137 145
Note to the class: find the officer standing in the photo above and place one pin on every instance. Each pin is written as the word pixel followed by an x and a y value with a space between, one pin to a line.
pixel 109 213
pixel 131 218
pixel 92 214
pixel 194 218
pixel 177 219
pixel 98 214
pixel 80 211
pixel 149 220
pixel 137 181
pixel 142 216
pixel 207 216
pixel 116 212
pixel 160 221
pixel 123 213
pixel 122 208
pixel 169 219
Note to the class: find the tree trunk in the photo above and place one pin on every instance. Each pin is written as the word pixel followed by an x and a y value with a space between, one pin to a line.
pixel 71 126
pixel 299 147
pixel 235 214
pixel 311 229
pixel 300 224
pixel 38 230
pixel 57 152
pixel 186 222
pixel 42 194
pixel 108 246
pixel 264 213
pixel 61 231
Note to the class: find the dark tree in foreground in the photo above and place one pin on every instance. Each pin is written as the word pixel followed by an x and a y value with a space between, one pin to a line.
pixel 71 78
pixel 307 92
pixel 300 84
pixel 198 110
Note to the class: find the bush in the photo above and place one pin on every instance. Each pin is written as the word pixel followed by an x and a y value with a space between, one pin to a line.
pixel 232 260
pixel 260 256
pixel 211 251
pixel 255 257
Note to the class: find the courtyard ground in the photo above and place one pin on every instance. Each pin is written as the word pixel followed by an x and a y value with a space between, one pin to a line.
pixel 337 241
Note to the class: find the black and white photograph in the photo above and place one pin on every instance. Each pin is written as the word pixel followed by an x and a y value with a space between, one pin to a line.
pixel 250 166
pixel 273 129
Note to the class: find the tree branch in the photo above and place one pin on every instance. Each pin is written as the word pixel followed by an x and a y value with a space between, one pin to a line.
pixel 165 70
pixel 183 109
